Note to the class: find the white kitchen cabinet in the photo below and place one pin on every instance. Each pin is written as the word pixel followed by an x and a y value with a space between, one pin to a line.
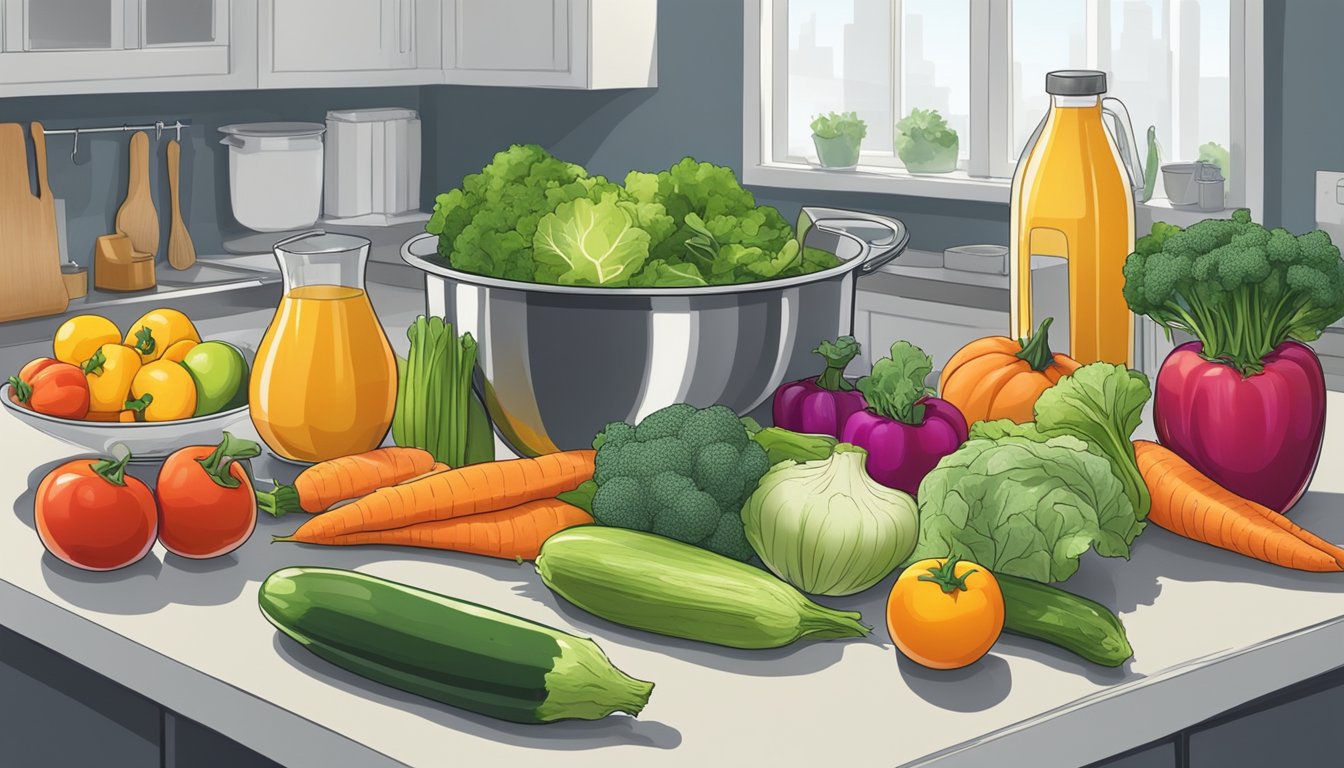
pixel 587 44
pixel 939 329
pixel 91 46
pixel 345 43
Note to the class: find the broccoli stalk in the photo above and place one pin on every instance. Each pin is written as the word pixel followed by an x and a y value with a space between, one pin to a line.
pixel 1239 288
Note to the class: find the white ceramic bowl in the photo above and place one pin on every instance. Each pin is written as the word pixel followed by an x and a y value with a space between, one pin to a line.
pixel 146 440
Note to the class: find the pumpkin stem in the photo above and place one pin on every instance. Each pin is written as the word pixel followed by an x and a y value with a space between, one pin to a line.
pixel 1036 351
pixel 837 355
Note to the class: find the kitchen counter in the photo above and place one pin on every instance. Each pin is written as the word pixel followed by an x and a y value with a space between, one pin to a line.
pixel 1210 630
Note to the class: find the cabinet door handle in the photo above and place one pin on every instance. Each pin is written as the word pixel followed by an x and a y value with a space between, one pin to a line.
pixel 405 11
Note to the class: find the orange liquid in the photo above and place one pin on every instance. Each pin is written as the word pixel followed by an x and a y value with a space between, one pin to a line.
pixel 325 381
pixel 1072 198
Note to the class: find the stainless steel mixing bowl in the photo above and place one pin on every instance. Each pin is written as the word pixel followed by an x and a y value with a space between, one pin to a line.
pixel 557 363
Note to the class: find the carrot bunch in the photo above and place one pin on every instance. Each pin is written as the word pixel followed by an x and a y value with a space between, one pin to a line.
pixel 502 509
pixel 1187 503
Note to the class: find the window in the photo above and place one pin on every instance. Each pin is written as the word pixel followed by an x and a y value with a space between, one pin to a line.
pixel 1191 69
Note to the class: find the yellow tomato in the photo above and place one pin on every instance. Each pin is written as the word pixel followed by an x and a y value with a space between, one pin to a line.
pixel 178 352
pixel 110 372
pixel 163 391
pixel 158 330
pixel 945 614
pixel 79 337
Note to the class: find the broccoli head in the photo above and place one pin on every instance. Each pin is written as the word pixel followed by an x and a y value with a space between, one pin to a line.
pixel 682 472
pixel 1240 288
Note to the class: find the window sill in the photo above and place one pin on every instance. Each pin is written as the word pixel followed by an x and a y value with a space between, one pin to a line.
pixel 875 179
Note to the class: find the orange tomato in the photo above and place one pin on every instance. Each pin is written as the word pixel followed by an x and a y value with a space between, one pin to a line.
pixel 945 614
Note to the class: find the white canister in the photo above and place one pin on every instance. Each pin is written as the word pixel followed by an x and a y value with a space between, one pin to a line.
pixel 275 174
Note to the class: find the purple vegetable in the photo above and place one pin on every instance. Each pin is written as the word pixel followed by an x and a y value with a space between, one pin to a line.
pixel 905 430
pixel 1258 436
pixel 821 406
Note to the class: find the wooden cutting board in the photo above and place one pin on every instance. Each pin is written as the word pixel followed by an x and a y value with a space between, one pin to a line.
pixel 137 218
pixel 30 256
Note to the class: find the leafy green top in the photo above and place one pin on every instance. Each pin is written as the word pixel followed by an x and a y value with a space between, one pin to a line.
pixel 520 219
pixel 896 385
pixel 926 126
pixel 836 124
pixel 1239 288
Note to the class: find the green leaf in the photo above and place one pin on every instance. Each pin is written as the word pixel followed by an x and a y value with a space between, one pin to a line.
pixel 587 243
pixel 1102 404
pixel 660 274
pixel 897 382
pixel 1023 507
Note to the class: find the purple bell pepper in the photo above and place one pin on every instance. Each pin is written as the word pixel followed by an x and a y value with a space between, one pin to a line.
pixel 821 406
pixel 905 430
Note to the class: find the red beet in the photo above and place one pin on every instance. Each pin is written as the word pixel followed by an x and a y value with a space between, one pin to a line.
pixel 1260 436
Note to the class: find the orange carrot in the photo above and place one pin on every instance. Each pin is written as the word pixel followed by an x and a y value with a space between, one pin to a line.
pixel 349 477
pixel 514 533
pixel 468 490
pixel 1186 502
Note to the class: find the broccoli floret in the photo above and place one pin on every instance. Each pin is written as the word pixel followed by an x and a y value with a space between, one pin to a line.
pixel 683 473
pixel 1240 288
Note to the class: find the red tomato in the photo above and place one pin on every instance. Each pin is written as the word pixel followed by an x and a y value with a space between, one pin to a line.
pixel 207 506
pixel 92 515
pixel 52 387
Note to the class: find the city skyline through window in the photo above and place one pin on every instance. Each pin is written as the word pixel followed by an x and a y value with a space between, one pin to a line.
pixel 1168 61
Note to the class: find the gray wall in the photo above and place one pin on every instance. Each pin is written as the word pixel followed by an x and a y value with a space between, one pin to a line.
pixel 1304 109
pixel 94 186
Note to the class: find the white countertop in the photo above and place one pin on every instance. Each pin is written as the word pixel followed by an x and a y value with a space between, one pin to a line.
pixel 1210 630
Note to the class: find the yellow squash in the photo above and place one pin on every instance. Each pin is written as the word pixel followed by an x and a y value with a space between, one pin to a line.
pixel 110 371
pixel 163 391
pixel 158 330
pixel 79 337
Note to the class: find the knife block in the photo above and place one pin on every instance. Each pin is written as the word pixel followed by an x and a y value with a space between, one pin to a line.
pixel 118 267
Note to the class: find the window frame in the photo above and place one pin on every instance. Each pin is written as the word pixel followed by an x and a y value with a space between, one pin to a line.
pixel 766 24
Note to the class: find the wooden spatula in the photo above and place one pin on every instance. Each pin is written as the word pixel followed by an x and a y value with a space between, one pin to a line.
pixel 30 257
pixel 136 218
pixel 181 251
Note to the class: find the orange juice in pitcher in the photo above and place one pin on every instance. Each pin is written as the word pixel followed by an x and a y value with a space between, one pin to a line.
pixel 324 383
pixel 1073 210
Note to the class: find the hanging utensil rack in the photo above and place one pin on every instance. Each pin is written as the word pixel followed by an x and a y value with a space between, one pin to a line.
pixel 158 127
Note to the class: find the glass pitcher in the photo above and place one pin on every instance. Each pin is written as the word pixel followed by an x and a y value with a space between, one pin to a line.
pixel 1072 221
pixel 324 383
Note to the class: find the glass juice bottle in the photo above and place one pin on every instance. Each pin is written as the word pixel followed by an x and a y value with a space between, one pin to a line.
pixel 324 383
pixel 1073 213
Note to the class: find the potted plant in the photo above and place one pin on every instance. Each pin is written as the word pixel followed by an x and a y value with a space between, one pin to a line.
pixel 925 144
pixel 837 137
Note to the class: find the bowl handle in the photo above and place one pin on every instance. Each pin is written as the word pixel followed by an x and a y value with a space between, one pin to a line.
pixel 880 249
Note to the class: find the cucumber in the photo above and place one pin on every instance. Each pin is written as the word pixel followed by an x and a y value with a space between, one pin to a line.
pixel 449 650
pixel 1074 623
pixel 653 583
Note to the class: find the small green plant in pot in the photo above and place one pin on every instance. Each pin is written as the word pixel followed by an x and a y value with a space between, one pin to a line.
pixel 837 137
pixel 925 143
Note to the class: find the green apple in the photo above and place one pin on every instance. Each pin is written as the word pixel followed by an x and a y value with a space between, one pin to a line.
pixel 220 374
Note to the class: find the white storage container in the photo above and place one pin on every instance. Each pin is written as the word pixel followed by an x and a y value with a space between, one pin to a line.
pixel 275 174
pixel 372 162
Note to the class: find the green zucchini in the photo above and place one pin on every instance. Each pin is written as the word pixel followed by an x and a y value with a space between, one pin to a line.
pixel 659 585
pixel 1074 623
pixel 449 650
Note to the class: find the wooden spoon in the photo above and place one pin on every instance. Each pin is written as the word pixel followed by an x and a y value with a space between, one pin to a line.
pixel 136 218
pixel 181 251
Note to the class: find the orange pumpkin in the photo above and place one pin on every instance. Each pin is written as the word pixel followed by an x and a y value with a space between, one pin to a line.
pixel 999 378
